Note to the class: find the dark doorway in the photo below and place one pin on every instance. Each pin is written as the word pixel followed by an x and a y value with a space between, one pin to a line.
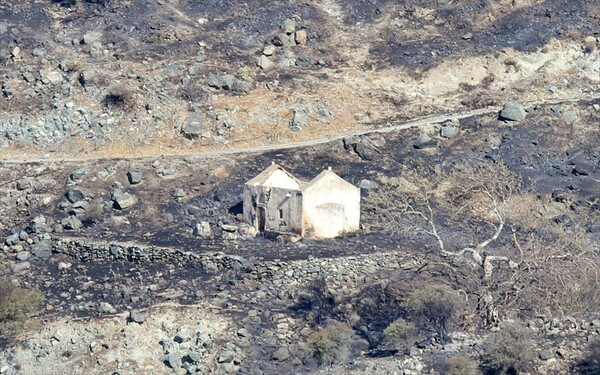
pixel 261 218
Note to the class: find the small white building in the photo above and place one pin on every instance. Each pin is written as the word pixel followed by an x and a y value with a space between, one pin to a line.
pixel 276 201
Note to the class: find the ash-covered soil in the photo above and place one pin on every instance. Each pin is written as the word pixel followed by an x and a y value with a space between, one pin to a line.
pixel 109 112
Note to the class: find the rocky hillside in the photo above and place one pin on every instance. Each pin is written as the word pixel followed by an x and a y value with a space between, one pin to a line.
pixel 117 77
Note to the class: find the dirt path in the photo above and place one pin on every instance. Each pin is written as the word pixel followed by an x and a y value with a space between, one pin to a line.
pixel 384 128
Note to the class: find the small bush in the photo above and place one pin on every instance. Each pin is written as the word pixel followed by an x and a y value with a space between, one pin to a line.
pixel 435 307
pixel 459 365
pixel 121 96
pixel 16 304
pixel 509 351
pixel 331 344
pixel 400 333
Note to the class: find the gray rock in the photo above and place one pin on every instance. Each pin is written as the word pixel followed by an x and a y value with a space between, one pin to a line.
pixel 366 150
pixel 583 169
pixel 87 77
pixel 193 357
pixel 281 354
pixel 92 37
pixel 71 223
pixel 570 117
pixel 29 77
pixel 448 131
pixel 424 141
pixel 76 194
pixel 137 316
pixel 545 355
pixel 41 249
pixel 241 86
pixel 269 50
pixel 220 81
pixel 39 224
pixel 202 229
pixel 77 175
pixel 182 336
pixel 123 200
pixel 213 80
pixel 264 63
pixel 289 26
pixel 284 40
pixel 23 255
pixel 193 126
pixel 21 267
pixel 25 183
pixel 13 239
pixel 173 361
pixel 3 28
pixel 513 112
pixel 178 193
pixel 368 184
pixel 299 119
pixel 323 111
pixel 135 177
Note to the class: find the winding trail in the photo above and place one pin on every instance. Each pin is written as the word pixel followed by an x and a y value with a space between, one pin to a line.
pixel 383 128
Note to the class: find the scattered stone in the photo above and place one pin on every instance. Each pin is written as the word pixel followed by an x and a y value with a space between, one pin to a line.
pixel 241 86
pixel 21 267
pixel 281 354
pixel 289 26
pixel 570 116
pixel 137 316
pixel 64 265
pixel 23 255
pixel 87 77
pixel 545 355
pixel 368 184
pixel 41 249
pixel 25 183
pixel 123 200
pixel 193 126
pixel 178 193
pixel 301 37
pixel 76 194
pixel 92 37
pixel 583 169
pixel 264 63
pixel 423 142
pixel 283 40
pixel 220 81
pixel 449 129
pixel 135 177
pixel 202 229
pixel 269 50
pixel 39 224
pixel 299 119
pixel 71 223
pixel 13 239
pixel 513 112
pixel 77 175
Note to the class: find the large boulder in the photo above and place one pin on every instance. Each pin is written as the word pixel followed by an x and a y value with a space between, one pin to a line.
pixel 123 200
pixel 513 112
pixel 193 127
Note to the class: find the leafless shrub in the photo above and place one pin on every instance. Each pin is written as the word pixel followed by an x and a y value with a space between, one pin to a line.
pixel 435 307
pixel 509 351
pixel 459 365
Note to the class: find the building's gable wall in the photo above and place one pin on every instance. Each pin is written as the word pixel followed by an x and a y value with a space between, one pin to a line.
pixel 281 179
pixel 262 205
pixel 331 207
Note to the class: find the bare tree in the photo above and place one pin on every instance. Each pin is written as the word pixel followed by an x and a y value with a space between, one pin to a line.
pixel 557 271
